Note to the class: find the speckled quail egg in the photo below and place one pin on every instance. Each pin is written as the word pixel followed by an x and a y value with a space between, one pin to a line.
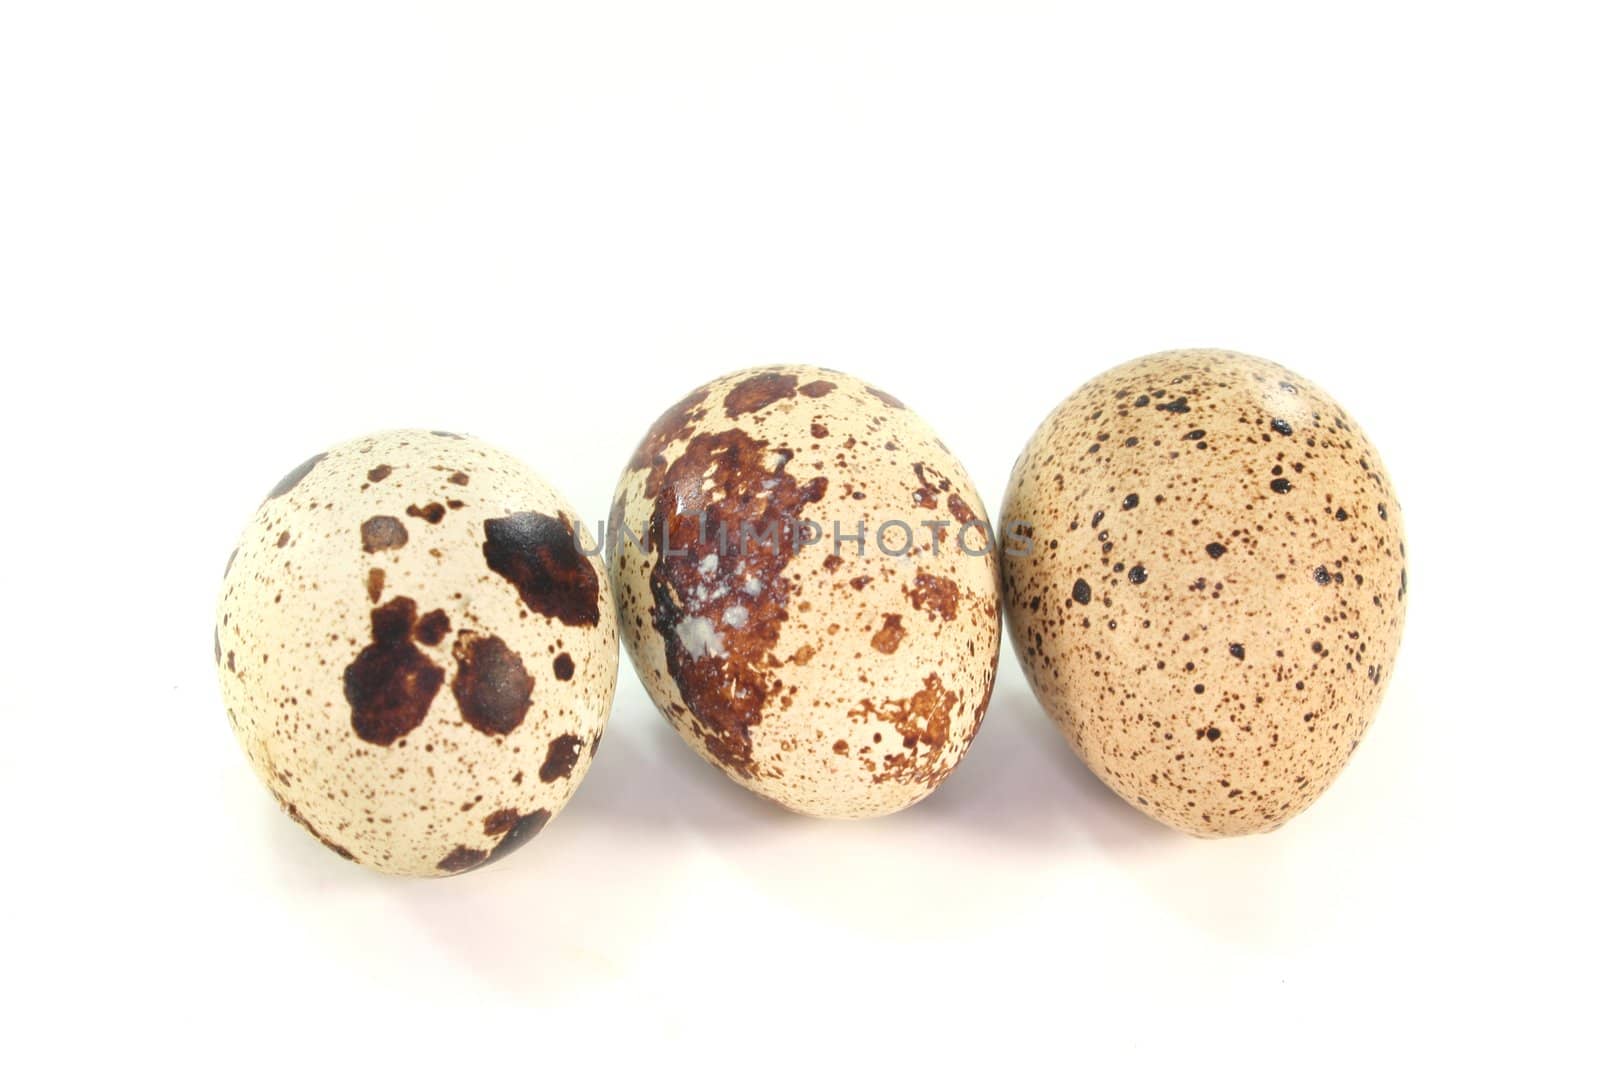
pixel 807 587
pixel 416 651
pixel 1212 593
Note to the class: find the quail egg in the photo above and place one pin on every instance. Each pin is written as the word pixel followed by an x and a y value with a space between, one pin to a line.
pixel 808 588
pixel 1214 585
pixel 416 650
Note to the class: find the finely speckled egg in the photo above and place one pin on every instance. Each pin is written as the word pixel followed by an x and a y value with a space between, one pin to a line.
pixel 416 653
pixel 839 658
pixel 1214 590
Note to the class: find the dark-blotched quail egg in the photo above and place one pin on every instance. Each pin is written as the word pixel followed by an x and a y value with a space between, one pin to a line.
pixel 416 653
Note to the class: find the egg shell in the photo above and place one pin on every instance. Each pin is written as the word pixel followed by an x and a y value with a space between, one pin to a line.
pixel 1215 589
pixel 415 654
pixel 837 678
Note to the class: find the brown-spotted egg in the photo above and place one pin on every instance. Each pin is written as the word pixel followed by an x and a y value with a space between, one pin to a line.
pixel 416 653
pixel 1213 595
pixel 842 667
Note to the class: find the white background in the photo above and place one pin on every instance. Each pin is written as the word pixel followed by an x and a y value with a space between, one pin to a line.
pixel 231 235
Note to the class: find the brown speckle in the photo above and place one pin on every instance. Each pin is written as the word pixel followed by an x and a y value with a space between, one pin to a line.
pixel 923 723
pixel 888 637
pixel 926 495
pixel 935 594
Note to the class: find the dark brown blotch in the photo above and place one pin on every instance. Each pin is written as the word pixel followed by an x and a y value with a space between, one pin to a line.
pixel 432 627
pixel 294 477
pixel 462 858
pixel 726 480
pixel 430 512
pixel 758 391
pixel 885 397
pixel 382 533
pixel 652 481
pixel 674 424
pixel 500 822
pixel 563 667
pixel 379 473
pixel 391 683
pixel 561 757
pixel 492 687
pixel 538 554
pixel 520 833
